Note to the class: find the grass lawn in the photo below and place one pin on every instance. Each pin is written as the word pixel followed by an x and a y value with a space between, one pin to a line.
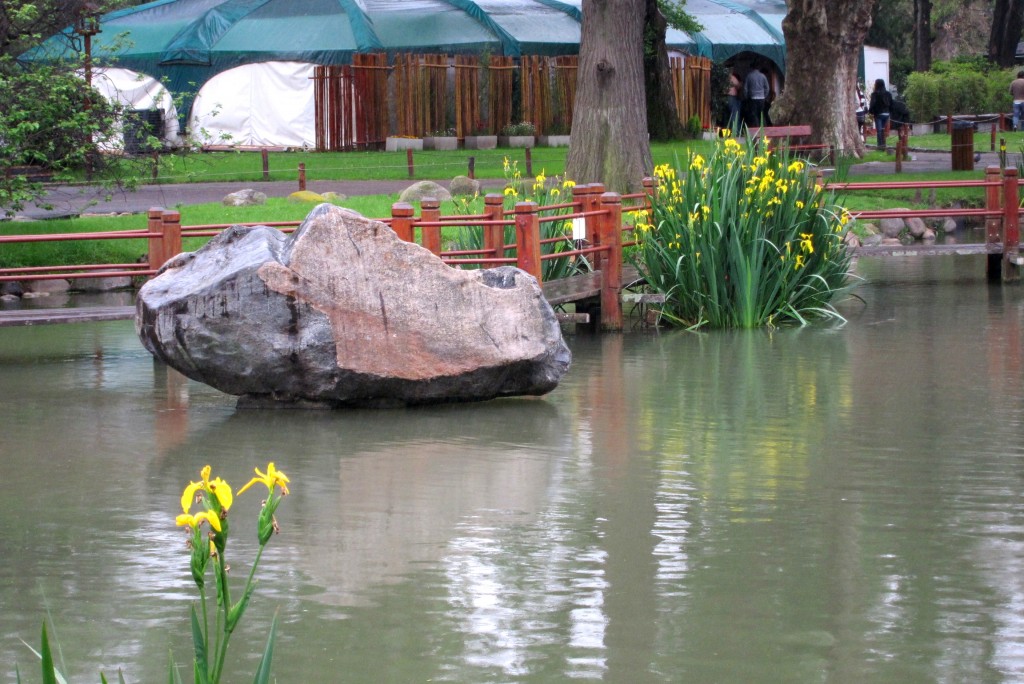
pixel 982 140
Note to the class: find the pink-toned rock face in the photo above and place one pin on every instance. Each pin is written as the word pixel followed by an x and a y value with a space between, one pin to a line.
pixel 344 313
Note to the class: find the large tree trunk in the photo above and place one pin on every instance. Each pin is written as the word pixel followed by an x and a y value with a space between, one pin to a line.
pixel 1007 22
pixel 824 39
pixel 662 115
pixel 609 127
pixel 922 35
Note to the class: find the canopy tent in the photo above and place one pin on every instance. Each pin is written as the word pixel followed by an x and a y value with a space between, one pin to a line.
pixel 184 44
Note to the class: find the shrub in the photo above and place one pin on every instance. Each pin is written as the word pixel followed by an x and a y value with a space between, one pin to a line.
pixel 744 239
pixel 958 89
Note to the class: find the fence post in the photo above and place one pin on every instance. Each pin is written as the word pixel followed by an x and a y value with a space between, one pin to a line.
pixel 472 167
pixel 611 270
pixel 1011 227
pixel 992 144
pixel 650 187
pixel 949 124
pixel 494 236
pixel 302 176
pixel 529 162
pixel 408 161
pixel 401 221
pixel 171 229
pixel 155 224
pixel 993 224
pixel 528 239
pixel 265 158
pixel 430 210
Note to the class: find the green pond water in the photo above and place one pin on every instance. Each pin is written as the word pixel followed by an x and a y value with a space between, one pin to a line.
pixel 827 504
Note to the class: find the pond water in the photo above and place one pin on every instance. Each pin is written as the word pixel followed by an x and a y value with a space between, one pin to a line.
pixel 828 504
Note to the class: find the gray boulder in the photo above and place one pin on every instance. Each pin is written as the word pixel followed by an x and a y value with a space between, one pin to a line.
pixel 464 185
pixel 916 226
pixel 343 313
pixel 418 191
pixel 245 198
pixel 891 227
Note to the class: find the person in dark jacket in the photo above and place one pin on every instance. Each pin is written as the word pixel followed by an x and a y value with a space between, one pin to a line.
pixel 879 108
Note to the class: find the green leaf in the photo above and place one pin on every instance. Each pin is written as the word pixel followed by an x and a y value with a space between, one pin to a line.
pixel 201 666
pixel 173 677
pixel 263 671
pixel 49 672
pixel 103 678
pixel 237 610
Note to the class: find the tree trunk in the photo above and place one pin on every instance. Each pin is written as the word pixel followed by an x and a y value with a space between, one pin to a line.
pixel 662 116
pixel 824 39
pixel 1007 22
pixel 922 35
pixel 609 127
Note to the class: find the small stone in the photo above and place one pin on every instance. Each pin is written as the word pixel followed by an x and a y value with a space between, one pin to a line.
pixel 333 197
pixel 892 227
pixel 306 196
pixel 916 226
pixel 928 235
pixel 245 198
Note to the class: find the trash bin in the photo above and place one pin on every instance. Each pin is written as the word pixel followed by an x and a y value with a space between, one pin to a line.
pixel 138 126
pixel 963 145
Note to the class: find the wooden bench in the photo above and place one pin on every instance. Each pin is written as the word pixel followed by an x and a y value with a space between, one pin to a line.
pixel 793 138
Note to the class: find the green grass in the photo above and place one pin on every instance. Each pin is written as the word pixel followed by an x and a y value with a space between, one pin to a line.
pixel 982 140
pixel 283 166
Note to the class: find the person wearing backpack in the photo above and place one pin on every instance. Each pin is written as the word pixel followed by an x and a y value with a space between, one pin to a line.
pixel 880 106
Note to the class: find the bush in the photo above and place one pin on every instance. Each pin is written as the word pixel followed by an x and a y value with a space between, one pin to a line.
pixel 744 239
pixel 958 88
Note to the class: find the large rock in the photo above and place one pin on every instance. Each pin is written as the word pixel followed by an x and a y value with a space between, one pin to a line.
pixel 344 313
pixel 464 185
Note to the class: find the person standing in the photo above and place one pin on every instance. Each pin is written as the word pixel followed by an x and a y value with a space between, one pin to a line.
pixel 733 94
pixel 755 92
pixel 881 104
pixel 1017 93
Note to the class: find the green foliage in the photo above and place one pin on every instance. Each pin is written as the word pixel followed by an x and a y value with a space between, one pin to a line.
pixel 693 127
pixel 960 87
pixel 744 239
pixel 675 14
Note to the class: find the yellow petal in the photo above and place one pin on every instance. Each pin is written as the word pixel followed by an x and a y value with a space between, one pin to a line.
pixel 210 517
pixel 185 519
pixel 189 495
pixel 250 483
pixel 222 490
pixel 205 474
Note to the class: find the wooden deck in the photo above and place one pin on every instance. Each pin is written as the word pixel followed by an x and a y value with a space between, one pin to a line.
pixel 85 314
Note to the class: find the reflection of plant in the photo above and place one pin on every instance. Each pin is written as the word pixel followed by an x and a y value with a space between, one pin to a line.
pixel 521 128
pixel 216 498
pixel 743 239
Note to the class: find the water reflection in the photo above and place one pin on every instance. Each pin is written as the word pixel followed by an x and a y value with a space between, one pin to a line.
pixel 834 505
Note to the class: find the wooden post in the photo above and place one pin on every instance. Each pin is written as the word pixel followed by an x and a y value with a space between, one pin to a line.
pixel 265 158
pixel 402 217
pixel 899 153
pixel 992 143
pixel 650 187
pixel 171 229
pixel 472 167
pixel 528 239
pixel 949 124
pixel 1011 227
pixel 993 224
pixel 302 176
pixel 529 162
pixel 154 224
pixel 408 161
pixel 611 269
pixel 494 236
pixel 430 210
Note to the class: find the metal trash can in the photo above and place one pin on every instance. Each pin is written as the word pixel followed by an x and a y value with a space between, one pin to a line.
pixel 138 126
pixel 962 146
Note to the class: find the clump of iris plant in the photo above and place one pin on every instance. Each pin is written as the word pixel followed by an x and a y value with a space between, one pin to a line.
pixel 208 541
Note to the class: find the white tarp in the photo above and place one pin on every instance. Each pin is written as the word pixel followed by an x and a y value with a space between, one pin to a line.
pixel 138 91
pixel 268 104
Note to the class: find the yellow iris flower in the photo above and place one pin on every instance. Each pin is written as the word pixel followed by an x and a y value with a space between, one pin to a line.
pixel 217 487
pixel 272 477
pixel 196 520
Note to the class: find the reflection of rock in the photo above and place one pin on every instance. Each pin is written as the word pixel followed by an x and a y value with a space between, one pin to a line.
pixel 345 313
pixel 375 495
